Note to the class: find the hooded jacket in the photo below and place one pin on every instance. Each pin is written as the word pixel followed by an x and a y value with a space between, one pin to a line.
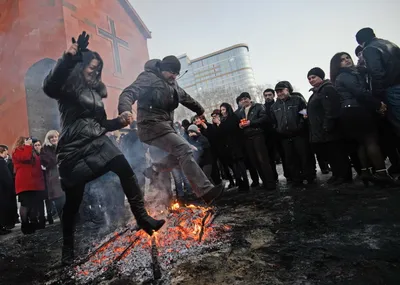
pixel 157 101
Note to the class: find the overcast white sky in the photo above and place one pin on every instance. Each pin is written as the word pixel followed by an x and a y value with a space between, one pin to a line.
pixel 286 38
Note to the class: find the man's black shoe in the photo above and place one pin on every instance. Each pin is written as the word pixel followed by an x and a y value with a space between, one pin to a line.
pixel 213 194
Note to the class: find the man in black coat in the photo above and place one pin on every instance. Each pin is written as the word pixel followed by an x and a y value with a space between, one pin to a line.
pixel 253 121
pixel 271 136
pixel 382 59
pixel 158 95
pixel 290 124
pixel 253 172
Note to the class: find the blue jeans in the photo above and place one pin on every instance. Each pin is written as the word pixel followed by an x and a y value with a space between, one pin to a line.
pixel 393 100
pixel 181 182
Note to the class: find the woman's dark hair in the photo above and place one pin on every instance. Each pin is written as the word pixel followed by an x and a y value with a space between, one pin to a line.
pixel 228 107
pixel 335 65
pixel 76 81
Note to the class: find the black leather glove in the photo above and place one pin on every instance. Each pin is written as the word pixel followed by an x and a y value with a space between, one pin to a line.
pixel 83 41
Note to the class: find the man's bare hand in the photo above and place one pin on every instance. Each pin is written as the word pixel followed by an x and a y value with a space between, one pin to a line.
pixel 126 118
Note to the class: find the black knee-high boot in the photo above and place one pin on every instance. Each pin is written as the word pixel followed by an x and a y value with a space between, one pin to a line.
pixel 135 200
pixel 120 166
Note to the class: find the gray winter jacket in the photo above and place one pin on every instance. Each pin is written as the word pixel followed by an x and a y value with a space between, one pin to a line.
pixel 157 101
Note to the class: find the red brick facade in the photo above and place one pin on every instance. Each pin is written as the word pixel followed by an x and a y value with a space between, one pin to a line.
pixel 33 34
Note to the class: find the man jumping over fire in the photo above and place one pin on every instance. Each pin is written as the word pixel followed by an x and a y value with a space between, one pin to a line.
pixel 158 95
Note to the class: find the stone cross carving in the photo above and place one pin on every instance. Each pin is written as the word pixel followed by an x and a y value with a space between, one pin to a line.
pixel 115 43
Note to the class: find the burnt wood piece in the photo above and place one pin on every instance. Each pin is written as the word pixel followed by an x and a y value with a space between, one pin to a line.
pixel 104 244
pixel 155 263
pixel 203 221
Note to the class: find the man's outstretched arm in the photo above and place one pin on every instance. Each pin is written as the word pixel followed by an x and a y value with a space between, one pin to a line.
pixel 131 94
pixel 190 103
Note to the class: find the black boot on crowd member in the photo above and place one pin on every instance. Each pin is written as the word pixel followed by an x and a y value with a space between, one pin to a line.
pixel 244 186
pixel 366 176
pixel 42 224
pixel 28 228
pixel 331 180
pixel 50 219
pixel 270 186
pixel 340 181
pixel 68 256
pixel 4 231
pixel 394 169
pixel 381 177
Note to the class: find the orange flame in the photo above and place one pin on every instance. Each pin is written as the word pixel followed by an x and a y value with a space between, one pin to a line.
pixel 184 225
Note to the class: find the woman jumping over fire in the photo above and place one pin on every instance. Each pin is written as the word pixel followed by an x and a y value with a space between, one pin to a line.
pixel 84 152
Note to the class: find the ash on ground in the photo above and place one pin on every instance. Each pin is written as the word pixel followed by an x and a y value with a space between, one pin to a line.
pixel 313 235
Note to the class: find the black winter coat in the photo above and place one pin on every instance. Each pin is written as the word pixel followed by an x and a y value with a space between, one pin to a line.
pixel 157 101
pixel 258 120
pixel 230 138
pixel 286 117
pixel 353 90
pixel 382 58
pixel 323 112
pixel 83 149
pixel 7 195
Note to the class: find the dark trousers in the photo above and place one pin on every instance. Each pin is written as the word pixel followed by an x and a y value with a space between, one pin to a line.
pixel 335 155
pixel 181 183
pixel 240 173
pixel 281 152
pixel 256 149
pixel 322 158
pixel 73 196
pixel 393 103
pixel 215 172
pixel 299 159
pixel 226 173
pixel 252 170
pixel 272 142
pixel 180 154
pixel 388 142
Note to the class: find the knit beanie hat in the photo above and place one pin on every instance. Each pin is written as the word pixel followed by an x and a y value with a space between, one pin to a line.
pixel 193 128
pixel 284 84
pixel 317 72
pixel 171 63
pixel 244 95
pixel 365 35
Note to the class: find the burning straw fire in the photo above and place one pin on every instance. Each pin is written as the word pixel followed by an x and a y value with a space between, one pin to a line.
pixel 189 230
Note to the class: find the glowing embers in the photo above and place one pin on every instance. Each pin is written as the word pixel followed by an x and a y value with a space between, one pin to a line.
pixel 188 230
